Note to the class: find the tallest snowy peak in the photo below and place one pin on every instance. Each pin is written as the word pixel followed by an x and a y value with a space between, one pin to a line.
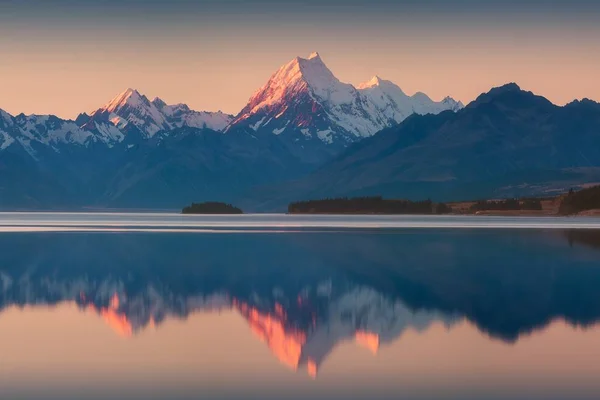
pixel 295 77
pixel 130 97
pixel 314 55
pixel 304 96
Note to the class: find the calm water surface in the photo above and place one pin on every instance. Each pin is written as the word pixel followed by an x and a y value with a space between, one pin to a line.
pixel 143 306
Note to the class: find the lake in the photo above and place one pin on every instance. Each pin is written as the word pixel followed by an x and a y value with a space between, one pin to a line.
pixel 165 306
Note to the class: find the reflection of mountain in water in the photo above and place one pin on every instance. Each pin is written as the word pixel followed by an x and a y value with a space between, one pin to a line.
pixel 300 327
pixel 360 314
pixel 304 293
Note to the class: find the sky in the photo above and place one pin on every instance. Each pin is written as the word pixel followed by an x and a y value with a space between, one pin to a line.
pixel 64 57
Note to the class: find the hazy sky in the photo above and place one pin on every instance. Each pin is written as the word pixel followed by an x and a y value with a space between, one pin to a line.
pixel 67 56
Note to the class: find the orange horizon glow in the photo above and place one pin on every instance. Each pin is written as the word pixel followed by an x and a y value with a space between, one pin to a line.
pixel 224 84
pixel 68 57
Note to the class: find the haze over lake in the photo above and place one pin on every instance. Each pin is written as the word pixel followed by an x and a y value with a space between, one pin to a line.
pixel 148 306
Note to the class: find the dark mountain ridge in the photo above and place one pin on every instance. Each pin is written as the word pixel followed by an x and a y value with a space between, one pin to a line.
pixel 508 142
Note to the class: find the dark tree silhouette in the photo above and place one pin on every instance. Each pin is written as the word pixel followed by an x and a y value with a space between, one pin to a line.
pixel 367 205
pixel 211 207
pixel 508 204
pixel 585 199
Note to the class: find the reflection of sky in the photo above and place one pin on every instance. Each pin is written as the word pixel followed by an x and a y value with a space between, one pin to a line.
pixel 71 354
pixel 214 54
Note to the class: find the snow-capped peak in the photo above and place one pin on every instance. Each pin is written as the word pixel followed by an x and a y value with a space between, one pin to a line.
pixel 395 104
pixel 5 117
pixel 298 74
pixel 374 81
pixel 314 54
pixel 305 96
pixel 132 107
pixel 6 123
pixel 453 105
pixel 158 102
pixel 179 115
pixel 129 97
pixel 150 117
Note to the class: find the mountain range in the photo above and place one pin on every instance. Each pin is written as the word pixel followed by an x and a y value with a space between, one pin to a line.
pixel 303 134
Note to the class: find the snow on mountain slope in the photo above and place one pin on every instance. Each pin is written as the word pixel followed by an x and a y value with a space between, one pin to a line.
pixel 305 96
pixel 5 139
pixel 108 133
pixel 397 105
pixel 6 125
pixel 53 132
pixel 179 115
pixel 5 118
pixel 151 117
pixel 49 130
pixel 303 102
pixel 130 107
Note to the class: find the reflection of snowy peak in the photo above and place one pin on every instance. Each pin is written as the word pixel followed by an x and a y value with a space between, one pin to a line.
pixel 299 328
pixel 350 313
pixel 364 315
pixel 305 96
pixel 127 313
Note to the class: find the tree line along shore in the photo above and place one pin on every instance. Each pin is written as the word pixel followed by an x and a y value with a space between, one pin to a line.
pixel 585 201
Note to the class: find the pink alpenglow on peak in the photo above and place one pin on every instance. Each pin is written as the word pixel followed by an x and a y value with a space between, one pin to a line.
pixel 374 81
pixel 305 96
pixel 314 55
pixel 129 97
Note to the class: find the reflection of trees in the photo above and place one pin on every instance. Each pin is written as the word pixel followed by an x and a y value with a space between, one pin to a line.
pixel 586 237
